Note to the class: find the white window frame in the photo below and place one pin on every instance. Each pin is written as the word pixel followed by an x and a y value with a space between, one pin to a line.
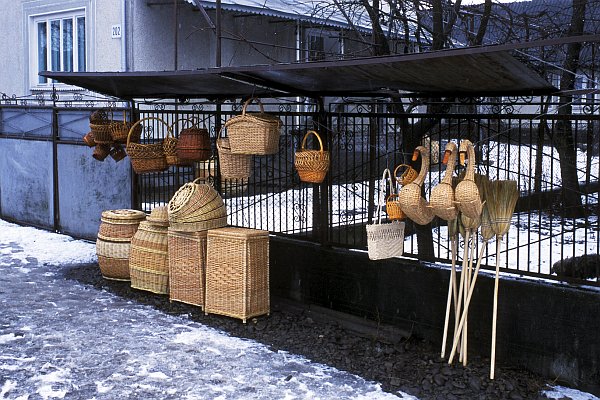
pixel 61 16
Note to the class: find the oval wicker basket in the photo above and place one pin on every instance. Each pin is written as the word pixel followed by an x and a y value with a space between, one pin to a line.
pixel 254 133
pixel 466 194
pixel 312 165
pixel 146 157
pixel 442 195
pixel 148 259
pixel 233 166
pixel 194 202
pixel 411 202
pixel 194 143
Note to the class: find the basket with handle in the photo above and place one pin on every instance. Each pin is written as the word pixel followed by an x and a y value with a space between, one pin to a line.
pixel 193 143
pixel 442 195
pixel 312 165
pixel 392 203
pixel 119 130
pixel 170 147
pixel 195 202
pixel 100 124
pixel 254 133
pixel 146 157
pixel 412 203
pixel 384 240
pixel 233 166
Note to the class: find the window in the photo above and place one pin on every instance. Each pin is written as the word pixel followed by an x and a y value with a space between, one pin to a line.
pixel 58 44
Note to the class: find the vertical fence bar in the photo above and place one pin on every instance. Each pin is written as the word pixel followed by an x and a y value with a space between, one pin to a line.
pixel 55 183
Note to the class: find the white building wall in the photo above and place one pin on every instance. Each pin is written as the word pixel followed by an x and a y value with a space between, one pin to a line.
pixel 11 48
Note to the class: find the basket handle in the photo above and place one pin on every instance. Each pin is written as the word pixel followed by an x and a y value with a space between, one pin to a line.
pixel 262 109
pixel 302 147
pixel 146 119
pixel 382 186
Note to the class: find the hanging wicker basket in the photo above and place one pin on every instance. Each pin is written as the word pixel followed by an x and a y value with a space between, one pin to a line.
pixel 118 152
pixel 312 165
pixel 170 148
pixel 233 166
pixel 101 151
pixel 100 126
pixel 412 203
pixel 256 133
pixel 119 130
pixel 194 143
pixel 88 139
pixel 442 195
pixel 147 157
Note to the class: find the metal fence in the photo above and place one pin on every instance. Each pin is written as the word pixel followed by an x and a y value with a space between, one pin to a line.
pixel 515 138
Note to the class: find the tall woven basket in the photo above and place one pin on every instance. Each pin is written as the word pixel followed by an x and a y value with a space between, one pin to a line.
pixel 233 166
pixel 148 259
pixel 312 165
pixel 254 133
pixel 147 157
pixel 187 266
pixel 442 195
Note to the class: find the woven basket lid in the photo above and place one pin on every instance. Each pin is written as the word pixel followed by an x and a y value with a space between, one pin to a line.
pixel 159 216
pixel 191 193
pixel 124 215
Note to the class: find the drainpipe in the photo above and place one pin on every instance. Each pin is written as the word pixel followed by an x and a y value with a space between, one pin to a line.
pixel 218 31
pixel 124 36
pixel 175 31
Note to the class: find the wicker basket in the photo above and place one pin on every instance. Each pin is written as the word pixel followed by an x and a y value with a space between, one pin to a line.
pixel 442 195
pixel 148 259
pixel 233 166
pixel 114 269
pixel 170 149
pixel 187 266
pixel 409 174
pixel 237 273
pixel 146 157
pixel 200 225
pixel 101 151
pixel 119 130
pixel 412 203
pixel 88 139
pixel 118 152
pixel 193 202
pixel 256 133
pixel 159 216
pixel 101 133
pixel 312 165
pixel 392 207
pixel 467 194
pixel 194 144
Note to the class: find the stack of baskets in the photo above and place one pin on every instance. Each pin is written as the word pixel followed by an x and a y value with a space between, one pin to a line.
pixel 148 259
pixel 195 208
pixel 117 229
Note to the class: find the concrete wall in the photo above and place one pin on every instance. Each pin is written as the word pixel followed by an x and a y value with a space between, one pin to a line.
pixel 548 328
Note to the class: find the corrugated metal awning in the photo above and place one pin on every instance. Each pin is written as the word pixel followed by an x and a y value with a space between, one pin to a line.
pixel 483 71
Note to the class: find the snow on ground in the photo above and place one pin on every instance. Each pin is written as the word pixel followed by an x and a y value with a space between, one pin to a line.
pixel 60 339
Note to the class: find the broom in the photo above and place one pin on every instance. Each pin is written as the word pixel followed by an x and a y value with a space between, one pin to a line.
pixel 506 194
pixel 452 294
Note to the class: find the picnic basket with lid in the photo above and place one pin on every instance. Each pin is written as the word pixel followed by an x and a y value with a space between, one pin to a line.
pixel 412 203
pixel 147 157
pixel 312 165
pixel 254 133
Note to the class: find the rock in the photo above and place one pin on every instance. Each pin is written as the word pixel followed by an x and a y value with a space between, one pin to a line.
pixel 459 385
pixel 475 383
pixel 439 379
pixel 426 385
pixel 447 371
pixel 394 381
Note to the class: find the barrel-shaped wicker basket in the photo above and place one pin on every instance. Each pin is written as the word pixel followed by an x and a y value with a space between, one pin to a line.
pixel 194 143
pixel 312 165
pixel 254 133
pixel 442 195
pixel 147 157
pixel 412 203
pixel 148 259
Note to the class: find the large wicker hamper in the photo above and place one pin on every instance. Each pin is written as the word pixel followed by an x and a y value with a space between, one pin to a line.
pixel 237 272
pixel 187 265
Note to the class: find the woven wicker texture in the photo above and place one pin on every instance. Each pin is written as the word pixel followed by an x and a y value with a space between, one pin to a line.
pixel 199 226
pixel 468 199
pixel 118 152
pixel 392 207
pixel 101 132
pixel 256 133
pixel 101 151
pixel 119 130
pixel 312 165
pixel 88 139
pixel 187 265
pixel 146 157
pixel 117 232
pixel 112 249
pixel 195 202
pixel 409 174
pixel 237 273
pixel 170 148
pixel 194 143
pixel 412 203
pixel 148 259
pixel 159 216
pixel 116 269
pixel 124 215
pixel 442 195
pixel 233 166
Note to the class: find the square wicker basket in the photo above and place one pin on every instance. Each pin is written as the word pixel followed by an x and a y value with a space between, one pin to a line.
pixel 237 273
pixel 187 266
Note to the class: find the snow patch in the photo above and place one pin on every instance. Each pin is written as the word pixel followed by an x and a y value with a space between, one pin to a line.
pixel 561 392
pixel 9 338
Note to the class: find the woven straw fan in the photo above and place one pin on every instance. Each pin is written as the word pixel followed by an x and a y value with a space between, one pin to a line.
pixel 442 196
pixel 411 202
pixel 466 194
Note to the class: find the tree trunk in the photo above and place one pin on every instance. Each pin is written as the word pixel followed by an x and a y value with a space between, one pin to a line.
pixel 564 141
